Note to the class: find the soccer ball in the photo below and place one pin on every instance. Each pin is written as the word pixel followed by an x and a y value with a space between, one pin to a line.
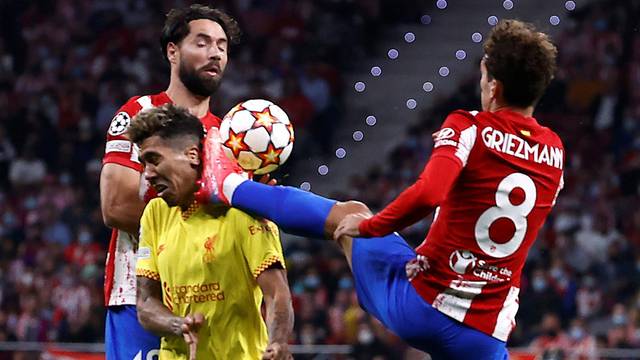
pixel 258 134
pixel 462 261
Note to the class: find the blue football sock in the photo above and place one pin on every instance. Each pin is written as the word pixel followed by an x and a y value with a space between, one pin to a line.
pixel 295 211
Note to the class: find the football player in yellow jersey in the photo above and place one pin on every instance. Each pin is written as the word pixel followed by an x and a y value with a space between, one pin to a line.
pixel 203 270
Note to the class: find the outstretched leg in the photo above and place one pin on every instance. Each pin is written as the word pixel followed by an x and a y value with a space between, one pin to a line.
pixel 296 211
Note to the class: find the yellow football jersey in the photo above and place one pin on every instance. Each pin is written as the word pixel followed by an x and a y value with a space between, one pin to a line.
pixel 207 260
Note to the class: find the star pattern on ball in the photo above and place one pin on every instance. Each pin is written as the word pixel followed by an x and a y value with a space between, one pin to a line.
pixel 235 143
pixel 291 136
pixel 263 119
pixel 270 156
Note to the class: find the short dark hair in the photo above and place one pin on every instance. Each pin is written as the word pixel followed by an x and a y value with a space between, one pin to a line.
pixel 176 25
pixel 168 122
pixel 522 58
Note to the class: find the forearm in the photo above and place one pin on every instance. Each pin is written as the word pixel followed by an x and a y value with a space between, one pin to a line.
pixel 417 201
pixel 152 314
pixel 125 217
pixel 402 212
pixel 279 318
pixel 119 199
pixel 155 317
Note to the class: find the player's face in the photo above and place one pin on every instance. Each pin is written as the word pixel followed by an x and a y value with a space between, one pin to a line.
pixel 486 92
pixel 203 57
pixel 171 169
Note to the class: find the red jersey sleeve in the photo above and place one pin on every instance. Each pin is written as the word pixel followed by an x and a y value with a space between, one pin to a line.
pixel 456 137
pixel 452 146
pixel 118 148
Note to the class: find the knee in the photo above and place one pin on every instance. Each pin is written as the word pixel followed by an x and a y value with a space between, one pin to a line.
pixel 355 207
pixel 342 209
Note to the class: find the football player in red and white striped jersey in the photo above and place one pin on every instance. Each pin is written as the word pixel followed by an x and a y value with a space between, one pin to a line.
pixel 195 41
pixel 492 179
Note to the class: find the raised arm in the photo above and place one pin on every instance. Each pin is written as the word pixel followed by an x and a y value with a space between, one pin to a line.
pixel 119 200
pixel 277 298
pixel 417 201
pixel 453 144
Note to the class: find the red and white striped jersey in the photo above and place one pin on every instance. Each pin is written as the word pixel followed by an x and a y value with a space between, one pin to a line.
pixel 120 273
pixel 478 243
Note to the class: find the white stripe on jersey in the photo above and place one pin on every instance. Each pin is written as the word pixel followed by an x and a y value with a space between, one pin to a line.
pixel 465 144
pixel 507 316
pixel 118 146
pixel 124 274
pixel 145 102
pixel 135 154
pixel 456 300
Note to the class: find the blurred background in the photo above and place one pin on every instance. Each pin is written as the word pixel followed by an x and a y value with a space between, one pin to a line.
pixel 366 83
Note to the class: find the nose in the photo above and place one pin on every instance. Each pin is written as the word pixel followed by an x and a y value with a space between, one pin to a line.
pixel 215 53
pixel 150 172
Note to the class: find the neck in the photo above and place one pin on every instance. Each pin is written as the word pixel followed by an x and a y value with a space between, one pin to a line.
pixel 524 111
pixel 181 96
pixel 187 202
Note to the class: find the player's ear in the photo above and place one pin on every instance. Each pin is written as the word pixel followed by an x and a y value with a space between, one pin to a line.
pixel 495 88
pixel 193 154
pixel 172 52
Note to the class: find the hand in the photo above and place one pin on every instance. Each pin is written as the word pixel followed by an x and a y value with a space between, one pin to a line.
pixel 190 326
pixel 350 225
pixel 266 179
pixel 277 351
pixel 415 266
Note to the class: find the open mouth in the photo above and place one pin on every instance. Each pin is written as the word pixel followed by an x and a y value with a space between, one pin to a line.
pixel 160 188
pixel 211 70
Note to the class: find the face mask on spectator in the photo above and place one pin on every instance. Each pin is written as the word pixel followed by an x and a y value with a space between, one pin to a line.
pixel 619 319
pixel 311 281
pixel 539 284
pixel 365 337
pixel 576 333
pixel 84 237
pixel 345 283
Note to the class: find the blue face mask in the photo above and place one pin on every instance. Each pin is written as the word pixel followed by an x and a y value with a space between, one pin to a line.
pixel 576 333
pixel 84 237
pixel 345 283
pixel 539 284
pixel 311 281
pixel 619 319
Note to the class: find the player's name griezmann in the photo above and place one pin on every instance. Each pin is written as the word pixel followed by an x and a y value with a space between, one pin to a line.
pixel 514 145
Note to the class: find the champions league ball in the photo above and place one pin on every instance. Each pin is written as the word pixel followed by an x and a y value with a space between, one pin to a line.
pixel 462 261
pixel 258 134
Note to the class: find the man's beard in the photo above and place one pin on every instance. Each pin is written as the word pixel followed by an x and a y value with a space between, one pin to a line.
pixel 196 83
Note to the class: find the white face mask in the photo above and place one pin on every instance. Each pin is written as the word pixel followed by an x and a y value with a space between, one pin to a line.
pixel 365 337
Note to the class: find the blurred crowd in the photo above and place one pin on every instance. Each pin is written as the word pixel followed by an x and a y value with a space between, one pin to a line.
pixel 67 65
pixel 581 284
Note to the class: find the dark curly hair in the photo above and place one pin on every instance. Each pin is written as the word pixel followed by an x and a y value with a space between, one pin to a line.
pixel 522 58
pixel 176 26
pixel 168 122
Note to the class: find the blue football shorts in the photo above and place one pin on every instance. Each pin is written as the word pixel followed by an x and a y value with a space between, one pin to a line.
pixel 125 338
pixel 385 292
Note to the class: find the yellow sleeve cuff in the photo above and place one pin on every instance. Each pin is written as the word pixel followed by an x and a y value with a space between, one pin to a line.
pixel 148 274
pixel 266 263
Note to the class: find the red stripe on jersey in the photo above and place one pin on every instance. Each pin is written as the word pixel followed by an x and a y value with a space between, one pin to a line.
pixel 109 267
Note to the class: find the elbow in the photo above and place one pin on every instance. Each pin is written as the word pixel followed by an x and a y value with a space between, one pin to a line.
pixel 143 317
pixel 108 219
